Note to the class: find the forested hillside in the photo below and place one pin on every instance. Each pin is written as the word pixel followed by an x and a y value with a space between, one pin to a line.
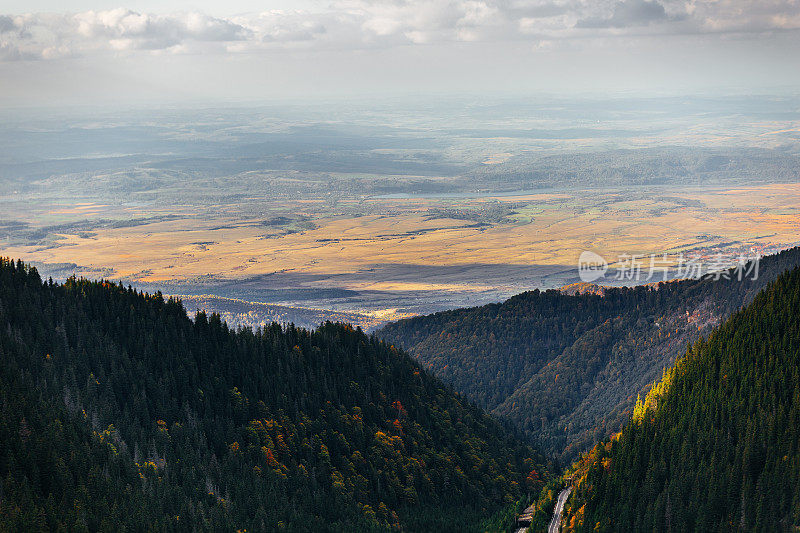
pixel 120 413
pixel 715 446
pixel 568 368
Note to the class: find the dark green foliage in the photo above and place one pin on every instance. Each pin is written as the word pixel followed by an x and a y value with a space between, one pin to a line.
pixel 120 413
pixel 717 446
pixel 568 368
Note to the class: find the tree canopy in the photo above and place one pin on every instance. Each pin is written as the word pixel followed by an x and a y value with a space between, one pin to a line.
pixel 567 368
pixel 715 445
pixel 121 413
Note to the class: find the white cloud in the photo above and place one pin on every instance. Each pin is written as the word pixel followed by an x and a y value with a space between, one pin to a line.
pixel 371 23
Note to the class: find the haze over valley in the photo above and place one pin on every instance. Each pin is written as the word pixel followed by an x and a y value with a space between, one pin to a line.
pixel 384 209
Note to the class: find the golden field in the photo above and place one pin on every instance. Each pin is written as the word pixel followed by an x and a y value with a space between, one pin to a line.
pixel 541 229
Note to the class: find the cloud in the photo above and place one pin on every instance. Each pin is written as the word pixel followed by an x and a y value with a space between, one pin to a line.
pixel 360 24
pixel 6 24
pixel 9 52
pixel 630 13
pixel 759 16
pixel 127 24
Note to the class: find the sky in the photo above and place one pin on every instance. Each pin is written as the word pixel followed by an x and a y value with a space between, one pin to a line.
pixel 102 51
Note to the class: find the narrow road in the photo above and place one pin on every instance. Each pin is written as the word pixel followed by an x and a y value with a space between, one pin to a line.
pixel 524 520
pixel 555 523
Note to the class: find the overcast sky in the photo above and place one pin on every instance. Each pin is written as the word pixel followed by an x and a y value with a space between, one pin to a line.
pixel 84 51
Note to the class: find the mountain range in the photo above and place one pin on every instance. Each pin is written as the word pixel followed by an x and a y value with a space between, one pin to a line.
pixel 119 413
pixel 566 367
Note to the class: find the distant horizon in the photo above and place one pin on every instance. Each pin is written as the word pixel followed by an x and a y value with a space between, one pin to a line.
pixel 408 98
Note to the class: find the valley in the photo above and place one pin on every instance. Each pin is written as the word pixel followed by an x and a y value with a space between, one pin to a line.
pixel 388 211
pixel 400 266
pixel 567 368
pixel 733 396
pixel 459 246
pixel 362 264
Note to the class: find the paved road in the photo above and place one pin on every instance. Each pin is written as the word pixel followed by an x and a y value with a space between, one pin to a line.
pixel 555 523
